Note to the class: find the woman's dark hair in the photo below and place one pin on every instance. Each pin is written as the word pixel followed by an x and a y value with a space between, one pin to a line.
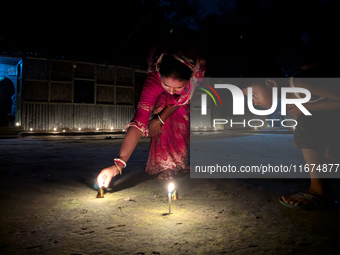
pixel 173 67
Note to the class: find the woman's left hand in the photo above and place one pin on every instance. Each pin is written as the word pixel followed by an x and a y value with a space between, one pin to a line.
pixel 154 127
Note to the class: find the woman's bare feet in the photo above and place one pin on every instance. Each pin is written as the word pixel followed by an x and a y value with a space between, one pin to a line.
pixel 167 174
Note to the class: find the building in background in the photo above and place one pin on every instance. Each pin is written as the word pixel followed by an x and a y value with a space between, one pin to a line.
pixel 48 94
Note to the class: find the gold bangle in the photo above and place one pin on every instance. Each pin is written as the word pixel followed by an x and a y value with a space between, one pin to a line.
pixel 120 161
pixel 119 168
pixel 159 123
pixel 160 119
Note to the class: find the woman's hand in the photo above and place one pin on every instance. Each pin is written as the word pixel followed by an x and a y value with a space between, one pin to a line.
pixel 154 127
pixel 106 175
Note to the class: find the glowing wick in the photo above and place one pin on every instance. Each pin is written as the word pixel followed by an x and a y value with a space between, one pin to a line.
pixel 170 189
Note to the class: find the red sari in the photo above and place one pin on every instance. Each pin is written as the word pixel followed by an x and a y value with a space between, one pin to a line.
pixel 169 149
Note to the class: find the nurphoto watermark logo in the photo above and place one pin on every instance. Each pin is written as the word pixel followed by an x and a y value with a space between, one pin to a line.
pixel 287 97
pixel 223 118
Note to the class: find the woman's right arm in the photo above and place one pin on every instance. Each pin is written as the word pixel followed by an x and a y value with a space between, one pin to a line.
pixel 137 127
pixel 130 141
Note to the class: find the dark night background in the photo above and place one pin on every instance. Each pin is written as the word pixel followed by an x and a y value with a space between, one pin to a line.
pixel 224 32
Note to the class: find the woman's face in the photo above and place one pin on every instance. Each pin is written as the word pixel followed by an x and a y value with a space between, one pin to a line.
pixel 173 86
pixel 262 95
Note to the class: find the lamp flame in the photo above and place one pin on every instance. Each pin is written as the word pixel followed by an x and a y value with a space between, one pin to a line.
pixel 171 187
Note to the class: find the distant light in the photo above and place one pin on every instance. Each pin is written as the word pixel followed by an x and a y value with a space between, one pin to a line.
pixel 79 129
pixel 205 127
pixel 63 130
pixel 123 130
pixel 111 128
pixel 97 129
pixel 31 129
pixel 17 124
pixel 54 129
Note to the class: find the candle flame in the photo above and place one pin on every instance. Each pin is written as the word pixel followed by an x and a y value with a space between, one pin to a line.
pixel 171 187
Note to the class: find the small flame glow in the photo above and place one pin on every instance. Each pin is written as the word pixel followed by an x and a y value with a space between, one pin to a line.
pixel 171 187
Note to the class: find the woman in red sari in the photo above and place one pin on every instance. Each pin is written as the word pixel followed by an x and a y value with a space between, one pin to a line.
pixel 171 80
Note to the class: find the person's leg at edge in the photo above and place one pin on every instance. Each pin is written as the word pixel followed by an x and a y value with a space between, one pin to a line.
pixel 318 186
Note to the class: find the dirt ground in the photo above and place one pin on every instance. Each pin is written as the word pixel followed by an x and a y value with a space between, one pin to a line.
pixel 49 206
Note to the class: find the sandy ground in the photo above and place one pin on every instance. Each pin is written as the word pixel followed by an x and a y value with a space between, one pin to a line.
pixel 49 206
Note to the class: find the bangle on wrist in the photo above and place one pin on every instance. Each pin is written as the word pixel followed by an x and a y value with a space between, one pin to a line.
pixel 120 164
pixel 159 123
pixel 119 167
pixel 160 119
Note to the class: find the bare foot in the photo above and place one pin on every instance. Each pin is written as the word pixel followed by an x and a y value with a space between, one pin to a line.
pixel 167 174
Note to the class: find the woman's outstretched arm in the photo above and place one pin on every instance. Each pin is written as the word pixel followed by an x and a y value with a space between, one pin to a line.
pixel 137 127
pixel 130 141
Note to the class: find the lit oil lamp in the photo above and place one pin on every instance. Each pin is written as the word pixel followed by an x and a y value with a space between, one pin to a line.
pixel 100 193
pixel 170 189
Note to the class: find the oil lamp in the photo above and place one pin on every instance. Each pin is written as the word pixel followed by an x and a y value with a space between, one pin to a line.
pixel 170 189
